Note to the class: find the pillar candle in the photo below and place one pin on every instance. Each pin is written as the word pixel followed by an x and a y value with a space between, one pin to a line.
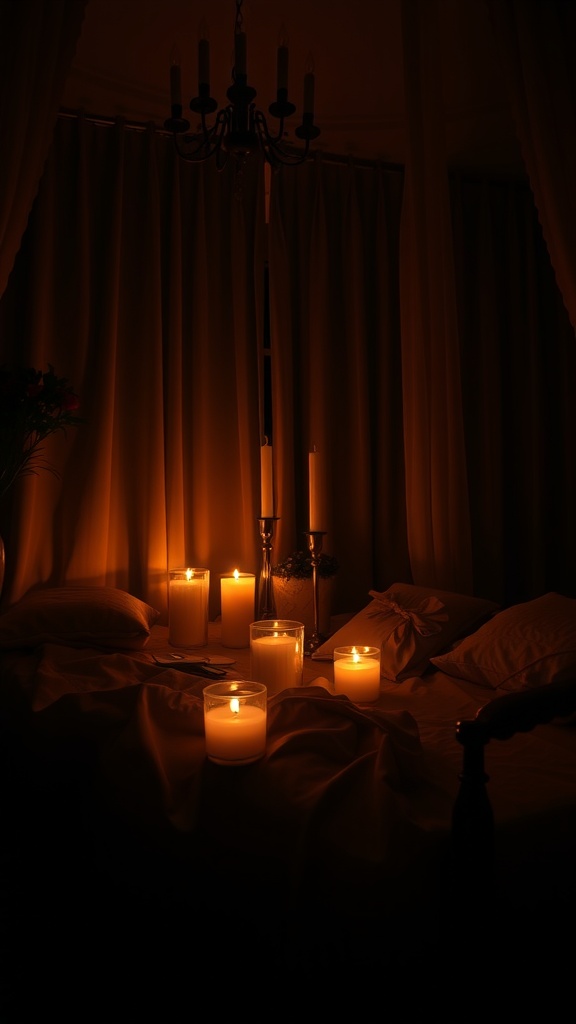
pixel 277 660
pixel 188 594
pixel 356 674
pixel 237 593
pixel 235 732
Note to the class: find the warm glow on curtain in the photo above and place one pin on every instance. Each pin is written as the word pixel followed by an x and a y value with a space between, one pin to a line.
pixel 141 280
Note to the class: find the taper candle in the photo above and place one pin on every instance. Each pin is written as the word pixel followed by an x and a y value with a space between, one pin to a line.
pixel 266 482
pixel 316 485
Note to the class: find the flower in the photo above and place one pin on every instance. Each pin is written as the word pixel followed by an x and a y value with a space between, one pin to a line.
pixel 298 566
pixel 33 404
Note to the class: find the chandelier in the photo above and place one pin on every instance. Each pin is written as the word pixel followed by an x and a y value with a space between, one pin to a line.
pixel 240 129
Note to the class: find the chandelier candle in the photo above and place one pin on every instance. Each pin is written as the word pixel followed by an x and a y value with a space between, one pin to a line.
pixel 238 594
pixel 188 593
pixel 235 721
pixel 357 673
pixel 277 653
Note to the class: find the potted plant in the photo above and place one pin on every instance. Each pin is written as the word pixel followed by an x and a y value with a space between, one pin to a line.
pixel 293 589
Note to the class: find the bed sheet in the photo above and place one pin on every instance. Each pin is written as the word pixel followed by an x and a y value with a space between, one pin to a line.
pixel 357 798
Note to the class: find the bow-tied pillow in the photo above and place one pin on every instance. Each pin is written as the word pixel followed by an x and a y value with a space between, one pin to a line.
pixel 410 624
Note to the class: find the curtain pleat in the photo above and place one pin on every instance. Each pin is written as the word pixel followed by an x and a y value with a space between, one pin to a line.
pixel 535 40
pixel 415 348
pixel 335 350
pixel 37 44
pixel 140 280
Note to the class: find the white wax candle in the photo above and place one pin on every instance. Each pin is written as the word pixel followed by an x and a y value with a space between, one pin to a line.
pixel 276 661
pixel 235 731
pixel 357 677
pixel 266 482
pixel 237 594
pixel 282 63
pixel 203 56
pixel 175 86
pixel 240 53
pixel 308 104
pixel 188 611
pixel 316 492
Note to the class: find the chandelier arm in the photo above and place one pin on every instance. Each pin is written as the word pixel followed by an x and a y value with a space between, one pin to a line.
pixel 274 150
pixel 240 129
pixel 200 147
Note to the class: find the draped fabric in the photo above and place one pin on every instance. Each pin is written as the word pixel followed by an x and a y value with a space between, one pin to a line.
pixel 336 363
pixel 37 44
pixel 536 43
pixel 418 340
pixel 436 479
pixel 140 280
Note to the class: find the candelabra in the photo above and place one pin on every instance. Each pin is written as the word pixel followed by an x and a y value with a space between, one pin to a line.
pixel 315 548
pixel 266 604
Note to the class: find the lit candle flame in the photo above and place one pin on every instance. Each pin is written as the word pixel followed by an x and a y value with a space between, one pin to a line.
pixel 235 706
pixel 355 655
pixel 189 574
pixel 236 574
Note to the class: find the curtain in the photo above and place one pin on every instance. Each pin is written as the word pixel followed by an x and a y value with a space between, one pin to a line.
pixel 418 340
pixel 140 279
pixel 336 366
pixel 437 497
pixel 536 44
pixel 517 378
pixel 37 44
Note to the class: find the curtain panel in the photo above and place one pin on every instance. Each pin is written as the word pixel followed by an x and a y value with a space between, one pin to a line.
pixel 336 365
pixel 140 279
pixel 37 45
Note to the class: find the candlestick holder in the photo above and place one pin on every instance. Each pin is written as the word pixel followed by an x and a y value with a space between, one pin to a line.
pixel 266 603
pixel 315 549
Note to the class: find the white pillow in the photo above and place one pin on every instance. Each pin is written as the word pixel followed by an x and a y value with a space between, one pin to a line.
pixel 529 644
pixel 78 616
pixel 409 624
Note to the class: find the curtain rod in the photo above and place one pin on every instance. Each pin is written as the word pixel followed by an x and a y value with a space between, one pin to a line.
pixel 142 126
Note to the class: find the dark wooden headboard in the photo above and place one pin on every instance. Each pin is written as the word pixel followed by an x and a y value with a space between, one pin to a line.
pixel 499 719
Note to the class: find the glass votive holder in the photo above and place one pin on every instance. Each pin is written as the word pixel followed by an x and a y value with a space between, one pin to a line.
pixel 237 598
pixel 235 721
pixel 188 602
pixel 357 673
pixel 277 653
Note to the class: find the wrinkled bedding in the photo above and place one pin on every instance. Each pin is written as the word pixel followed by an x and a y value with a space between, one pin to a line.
pixel 327 862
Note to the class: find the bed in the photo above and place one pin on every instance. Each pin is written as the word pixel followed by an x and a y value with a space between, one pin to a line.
pixel 378 858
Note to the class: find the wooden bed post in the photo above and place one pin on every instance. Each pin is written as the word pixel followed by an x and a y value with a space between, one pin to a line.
pixel 472 815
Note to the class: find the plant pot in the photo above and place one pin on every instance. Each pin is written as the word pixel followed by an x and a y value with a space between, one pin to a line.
pixel 294 599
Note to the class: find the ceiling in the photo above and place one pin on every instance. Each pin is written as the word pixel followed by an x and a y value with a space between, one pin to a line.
pixel 123 59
